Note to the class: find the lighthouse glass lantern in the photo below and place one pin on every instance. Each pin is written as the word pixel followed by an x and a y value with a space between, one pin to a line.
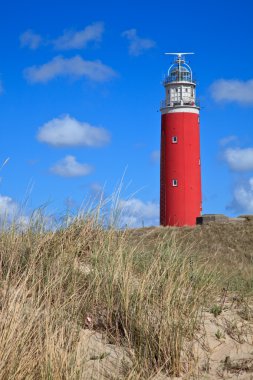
pixel 180 181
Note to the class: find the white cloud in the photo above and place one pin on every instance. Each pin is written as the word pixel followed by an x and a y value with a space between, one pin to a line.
pixel 30 40
pixel 243 197
pixel 232 90
pixel 10 211
pixel 239 159
pixel 155 156
pixel 75 67
pixel 8 208
pixel 135 213
pixel 69 167
pixel 137 45
pixel 67 131
pixel 78 40
pixel 227 140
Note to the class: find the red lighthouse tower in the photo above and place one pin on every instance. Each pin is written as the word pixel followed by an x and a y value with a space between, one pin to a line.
pixel 180 187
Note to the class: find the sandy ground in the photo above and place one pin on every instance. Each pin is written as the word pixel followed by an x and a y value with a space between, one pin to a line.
pixel 223 348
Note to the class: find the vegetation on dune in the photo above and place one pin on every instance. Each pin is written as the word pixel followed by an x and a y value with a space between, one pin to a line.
pixel 144 289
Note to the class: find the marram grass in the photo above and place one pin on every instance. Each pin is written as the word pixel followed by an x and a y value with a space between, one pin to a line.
pixel 144 293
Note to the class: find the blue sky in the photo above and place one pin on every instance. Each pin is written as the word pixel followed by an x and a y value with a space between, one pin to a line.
pixel 80 89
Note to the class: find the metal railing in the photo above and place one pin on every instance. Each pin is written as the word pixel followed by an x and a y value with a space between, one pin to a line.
pixel 188 103
pixel 170 79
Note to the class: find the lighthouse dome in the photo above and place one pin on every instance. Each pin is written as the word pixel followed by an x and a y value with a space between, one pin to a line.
pixel 179 73
pixel 182 68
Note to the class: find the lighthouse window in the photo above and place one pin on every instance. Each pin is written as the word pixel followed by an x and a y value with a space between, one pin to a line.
pixel 174 182
pixel 174 139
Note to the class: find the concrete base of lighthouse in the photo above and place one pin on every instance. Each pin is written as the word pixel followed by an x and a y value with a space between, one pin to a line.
pixel 180 191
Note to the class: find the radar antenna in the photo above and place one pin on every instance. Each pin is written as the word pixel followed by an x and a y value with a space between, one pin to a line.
pixel 178 54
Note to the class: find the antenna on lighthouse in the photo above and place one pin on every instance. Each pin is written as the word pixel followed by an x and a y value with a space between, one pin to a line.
pixel 179 55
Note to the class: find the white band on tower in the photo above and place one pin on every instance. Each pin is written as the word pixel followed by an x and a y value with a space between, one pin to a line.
pixel 180 110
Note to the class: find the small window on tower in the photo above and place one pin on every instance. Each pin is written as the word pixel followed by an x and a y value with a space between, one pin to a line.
pixel 174 139
pixel 174 182
pixel 186 90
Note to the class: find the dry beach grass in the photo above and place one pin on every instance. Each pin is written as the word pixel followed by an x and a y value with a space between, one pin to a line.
pixel 85 302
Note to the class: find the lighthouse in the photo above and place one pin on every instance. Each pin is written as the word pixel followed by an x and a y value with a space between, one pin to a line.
pixel 180 178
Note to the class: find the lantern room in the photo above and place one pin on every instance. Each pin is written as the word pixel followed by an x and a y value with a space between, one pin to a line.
pixel 179 85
